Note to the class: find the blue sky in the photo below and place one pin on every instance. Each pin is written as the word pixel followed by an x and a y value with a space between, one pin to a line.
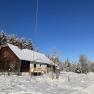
pixel 66 26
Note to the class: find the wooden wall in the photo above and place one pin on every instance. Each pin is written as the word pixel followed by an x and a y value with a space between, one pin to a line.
pixel 8 60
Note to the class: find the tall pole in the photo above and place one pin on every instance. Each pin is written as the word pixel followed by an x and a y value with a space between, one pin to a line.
pixel 36 25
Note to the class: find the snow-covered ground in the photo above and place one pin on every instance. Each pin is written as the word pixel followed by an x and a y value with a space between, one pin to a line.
pixel 68 83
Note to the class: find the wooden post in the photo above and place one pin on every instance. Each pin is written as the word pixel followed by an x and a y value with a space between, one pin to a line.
pixel 52 72
pixel 19 72
pixel 30 69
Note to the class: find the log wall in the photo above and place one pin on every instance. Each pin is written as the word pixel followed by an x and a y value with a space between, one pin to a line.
pixel 8 60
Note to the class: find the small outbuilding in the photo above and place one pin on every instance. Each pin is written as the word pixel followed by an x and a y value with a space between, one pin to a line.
pixel 14 59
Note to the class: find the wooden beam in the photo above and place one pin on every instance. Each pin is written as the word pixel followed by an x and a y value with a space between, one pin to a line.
pixel 19 71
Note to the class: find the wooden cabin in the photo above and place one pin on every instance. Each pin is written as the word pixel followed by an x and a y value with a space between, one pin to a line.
pixel 14 59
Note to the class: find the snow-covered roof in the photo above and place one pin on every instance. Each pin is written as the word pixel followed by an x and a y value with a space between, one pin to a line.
pixel 29 55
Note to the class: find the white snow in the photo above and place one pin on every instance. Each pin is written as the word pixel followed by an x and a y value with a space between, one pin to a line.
pixel 29 55
pixel 68 83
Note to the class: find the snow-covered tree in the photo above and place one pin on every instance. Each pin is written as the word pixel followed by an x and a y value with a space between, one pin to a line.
pixel 3 38
pixel 84 61
pixel 13 39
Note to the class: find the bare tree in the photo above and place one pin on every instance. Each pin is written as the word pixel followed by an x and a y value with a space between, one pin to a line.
pixel 3 38
pixel 84 63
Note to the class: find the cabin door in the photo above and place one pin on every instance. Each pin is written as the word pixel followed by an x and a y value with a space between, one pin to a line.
pixel 25 66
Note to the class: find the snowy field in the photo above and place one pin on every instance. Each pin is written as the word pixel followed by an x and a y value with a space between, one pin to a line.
pixel 68 83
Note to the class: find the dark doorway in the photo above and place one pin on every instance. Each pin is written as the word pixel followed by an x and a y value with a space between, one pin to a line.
pixel 25 66
pixel 34 65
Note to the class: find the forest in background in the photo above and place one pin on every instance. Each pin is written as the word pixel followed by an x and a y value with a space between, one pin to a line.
pixel 83 65
pixel 13 39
